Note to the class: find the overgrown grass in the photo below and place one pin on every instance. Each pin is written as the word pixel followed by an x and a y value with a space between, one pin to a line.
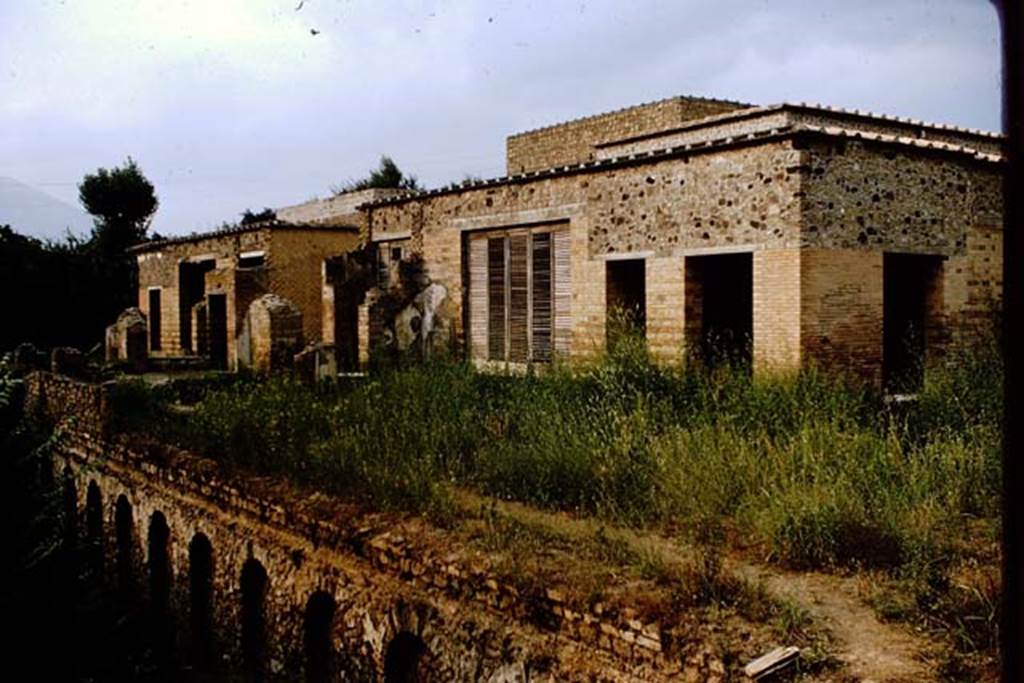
pixel 815 470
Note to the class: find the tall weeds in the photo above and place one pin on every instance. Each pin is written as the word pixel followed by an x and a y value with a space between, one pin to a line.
pixel 816 470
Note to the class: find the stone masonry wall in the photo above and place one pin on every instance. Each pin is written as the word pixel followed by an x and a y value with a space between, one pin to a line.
pixel 475 626
pixel 743 197
pixel 864 197
pixel 573 142
pixel 859 195
pixel 805 191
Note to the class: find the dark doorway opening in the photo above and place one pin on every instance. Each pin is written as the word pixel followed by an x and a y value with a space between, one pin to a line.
pixel 159 564
pixel 720 308
pixel 124 532
pixel 406 659
pixel 217 316
pixel 346 325
pixel 319 651
pixel 191 290
pixel 911 301
pixel 625 300
pixel 160 585
pixel 254 643
pixel 155 320
pixel 94 528
pixel 200 578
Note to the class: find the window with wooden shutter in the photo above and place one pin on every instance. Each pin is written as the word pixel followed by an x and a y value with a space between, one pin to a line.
pixel 496 322
pixel 562 281
pixel 478 295
pixel 519 298
pixel 540 296
pixel 519 294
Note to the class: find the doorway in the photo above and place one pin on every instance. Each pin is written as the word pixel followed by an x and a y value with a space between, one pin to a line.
pixel 625 301
pixel 720 307
pixel 217 318
pixel 911 300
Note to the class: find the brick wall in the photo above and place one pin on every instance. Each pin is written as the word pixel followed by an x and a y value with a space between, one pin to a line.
pixel 158 267
pixel 777 305
pixel 573 142
pixel 296 269
pixel 841 310
pixel 666 304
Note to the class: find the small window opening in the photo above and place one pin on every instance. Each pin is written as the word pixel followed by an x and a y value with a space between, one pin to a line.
pixel 251 259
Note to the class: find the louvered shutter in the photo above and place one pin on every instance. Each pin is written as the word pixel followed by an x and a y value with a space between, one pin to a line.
pixel 541 297
pixel 562 280
pixel 496 298
pixel 478 322
pixel 519 298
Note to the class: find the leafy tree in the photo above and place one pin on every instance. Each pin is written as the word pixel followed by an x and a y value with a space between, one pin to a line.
pixel 467 178
pixel 122 202
pixel 386 175
pixel 249 216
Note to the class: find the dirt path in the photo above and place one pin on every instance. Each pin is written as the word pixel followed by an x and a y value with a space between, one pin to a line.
pixel 873 651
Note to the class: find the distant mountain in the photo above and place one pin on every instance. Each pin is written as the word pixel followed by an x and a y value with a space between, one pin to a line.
pixel 33 212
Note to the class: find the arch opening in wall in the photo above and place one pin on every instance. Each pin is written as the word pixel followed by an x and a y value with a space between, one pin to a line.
pixel 320 660
pixel 70 510
pixel 94 527
pixel 254 628
pixel 406 659
pixel 200 578
pixel 159 564
pixel 124 532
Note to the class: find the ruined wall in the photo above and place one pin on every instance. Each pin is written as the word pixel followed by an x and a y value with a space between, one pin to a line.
pixel 474 625
pixel 158 267
pixel 295 263
pixel 271 335
pixel 573 142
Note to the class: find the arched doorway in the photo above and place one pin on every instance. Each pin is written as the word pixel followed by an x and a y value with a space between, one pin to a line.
pixel 94 528
pixel 317 628
pixel 254 636
pixel 124 532
pixel 200 579
pixel 406 659
pixel 159 564
pixel 162 628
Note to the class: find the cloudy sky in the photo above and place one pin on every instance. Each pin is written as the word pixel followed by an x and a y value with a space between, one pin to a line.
pixel 235 104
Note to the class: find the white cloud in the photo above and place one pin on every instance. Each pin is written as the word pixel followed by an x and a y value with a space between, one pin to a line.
pixel 229 104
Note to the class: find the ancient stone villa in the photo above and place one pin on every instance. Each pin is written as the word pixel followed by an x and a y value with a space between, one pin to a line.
pixel 793 234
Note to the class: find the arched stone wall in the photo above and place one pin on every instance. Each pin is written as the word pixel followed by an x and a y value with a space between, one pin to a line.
pixel 474 625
